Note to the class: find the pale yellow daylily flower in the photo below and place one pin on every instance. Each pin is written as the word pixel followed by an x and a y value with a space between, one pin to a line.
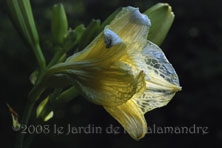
pixel 123 72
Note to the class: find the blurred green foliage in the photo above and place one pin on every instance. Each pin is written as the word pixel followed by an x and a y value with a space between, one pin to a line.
pixel 193 46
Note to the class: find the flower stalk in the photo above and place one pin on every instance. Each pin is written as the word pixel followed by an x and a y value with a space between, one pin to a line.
pixel 34 95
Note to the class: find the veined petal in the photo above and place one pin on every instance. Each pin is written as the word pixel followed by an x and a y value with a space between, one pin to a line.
pixel 161 79
pixel 99 50
pixel 132 27
pixel 158 65
pixel 89 63
pixel 112 87
pixel 130 117
pixel 152 99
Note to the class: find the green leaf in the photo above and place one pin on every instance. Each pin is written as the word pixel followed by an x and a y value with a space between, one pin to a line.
pixel 162 17
pixel 22 17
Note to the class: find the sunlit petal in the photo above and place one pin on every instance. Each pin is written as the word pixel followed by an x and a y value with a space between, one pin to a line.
pixel 98 50
pixel 132 27
pixel 112 87
pixel 130 117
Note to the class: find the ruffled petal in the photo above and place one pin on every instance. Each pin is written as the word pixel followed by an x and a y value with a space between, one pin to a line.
pixel 161 79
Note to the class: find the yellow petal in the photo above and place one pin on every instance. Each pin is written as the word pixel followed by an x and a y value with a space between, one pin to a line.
pixel 130 117
pixel 98 55
pixel 152 99
pixel 106 48
pixel 159 72
pixel 161 79
pixel 108 86
pixel 112 87
pixel 132 27
pixel 129 25
pixel 97 72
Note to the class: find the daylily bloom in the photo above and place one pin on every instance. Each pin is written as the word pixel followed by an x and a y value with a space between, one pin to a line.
pixel 123 71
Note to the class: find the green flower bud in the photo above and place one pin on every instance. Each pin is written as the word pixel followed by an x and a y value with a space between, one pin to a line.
pixel 161 17
pixel 43 110
pixel 92 30
pixel 59 23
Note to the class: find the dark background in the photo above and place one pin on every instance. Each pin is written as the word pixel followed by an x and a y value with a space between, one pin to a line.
pixel 193 46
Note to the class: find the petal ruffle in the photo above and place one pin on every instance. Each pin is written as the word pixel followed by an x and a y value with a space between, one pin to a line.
pixel 161 79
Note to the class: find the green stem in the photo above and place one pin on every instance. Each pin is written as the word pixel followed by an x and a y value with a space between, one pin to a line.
pixel 36 92
pixel 39 56
pixel 58 54
pixel 27 113
pixel 33 97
